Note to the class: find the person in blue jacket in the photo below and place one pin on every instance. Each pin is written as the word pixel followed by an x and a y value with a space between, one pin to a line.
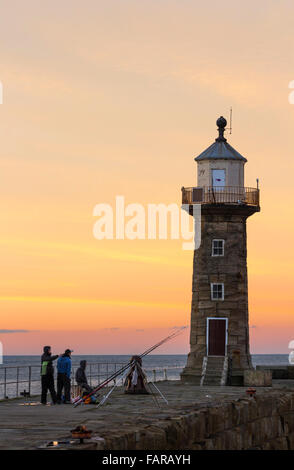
pixel 63 376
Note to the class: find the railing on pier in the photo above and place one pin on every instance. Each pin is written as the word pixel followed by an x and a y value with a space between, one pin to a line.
pixel 220 195
pixel 15 380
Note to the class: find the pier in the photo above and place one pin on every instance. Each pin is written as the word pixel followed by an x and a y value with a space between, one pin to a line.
pixel 195 418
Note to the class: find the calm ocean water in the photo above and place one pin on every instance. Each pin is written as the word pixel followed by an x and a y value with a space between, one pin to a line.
pixel 14 368
pixel 152 360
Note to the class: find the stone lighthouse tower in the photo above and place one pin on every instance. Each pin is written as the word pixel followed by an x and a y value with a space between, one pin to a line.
pixel 219 338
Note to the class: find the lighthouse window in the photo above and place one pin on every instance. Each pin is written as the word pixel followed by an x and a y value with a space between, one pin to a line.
pixel 217 292
pixel 218 247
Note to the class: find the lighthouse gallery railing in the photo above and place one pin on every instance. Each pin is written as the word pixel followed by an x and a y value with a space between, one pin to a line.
pixel 220 195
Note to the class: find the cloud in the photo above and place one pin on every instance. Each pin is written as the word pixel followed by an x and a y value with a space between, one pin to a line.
pixel 14 331
pixel 106 302
pixel 54 249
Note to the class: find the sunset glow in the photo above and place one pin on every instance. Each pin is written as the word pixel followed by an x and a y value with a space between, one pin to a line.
pixel 117 98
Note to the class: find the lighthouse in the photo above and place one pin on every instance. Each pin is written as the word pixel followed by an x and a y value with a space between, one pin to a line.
pixel 219 337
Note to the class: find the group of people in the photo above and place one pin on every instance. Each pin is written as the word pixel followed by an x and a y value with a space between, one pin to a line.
pixel 64 368
pixel 135 383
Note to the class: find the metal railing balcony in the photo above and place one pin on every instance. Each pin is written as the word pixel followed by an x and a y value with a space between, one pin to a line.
pixel 220 195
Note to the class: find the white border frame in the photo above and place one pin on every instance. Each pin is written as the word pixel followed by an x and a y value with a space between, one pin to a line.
pixel 217 240
pixel 207 333
pixel 211 291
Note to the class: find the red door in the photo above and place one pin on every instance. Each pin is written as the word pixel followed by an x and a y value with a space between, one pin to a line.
pixel 216 337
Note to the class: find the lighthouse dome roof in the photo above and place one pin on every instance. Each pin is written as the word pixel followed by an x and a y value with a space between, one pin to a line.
pixel 220 149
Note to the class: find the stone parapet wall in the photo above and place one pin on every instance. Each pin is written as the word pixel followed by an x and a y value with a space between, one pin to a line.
pixel 265 422
pixel 257 378
pixel 279 372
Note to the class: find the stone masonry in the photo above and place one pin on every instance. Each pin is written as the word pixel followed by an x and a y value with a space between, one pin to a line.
pixel 199 418
pixel 227 222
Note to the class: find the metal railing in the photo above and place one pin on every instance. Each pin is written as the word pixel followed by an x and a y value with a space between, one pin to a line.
pixel 15 380
pixel 220 195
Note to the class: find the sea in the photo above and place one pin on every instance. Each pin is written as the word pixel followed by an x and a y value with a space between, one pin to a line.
pixel 152 360
pixel 20 373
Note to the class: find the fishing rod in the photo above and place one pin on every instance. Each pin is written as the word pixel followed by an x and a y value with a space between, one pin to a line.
pixel 130 364
pixel 105 397
pixel 103 384
pixel 79 400
pixel 111 390
pixel 172 335
pixel 160 393
pixel 154 397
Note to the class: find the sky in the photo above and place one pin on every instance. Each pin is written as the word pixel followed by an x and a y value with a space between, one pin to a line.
pixel 117 97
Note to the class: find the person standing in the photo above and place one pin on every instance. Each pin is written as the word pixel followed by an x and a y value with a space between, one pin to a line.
pixel 63 376
pixel 47 375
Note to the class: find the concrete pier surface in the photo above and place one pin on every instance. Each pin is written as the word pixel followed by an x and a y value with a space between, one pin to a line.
pixel 123 422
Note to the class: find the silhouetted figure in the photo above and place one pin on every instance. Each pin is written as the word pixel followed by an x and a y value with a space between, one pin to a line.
pixel 47 375
pixel 63 376
pixel 81 377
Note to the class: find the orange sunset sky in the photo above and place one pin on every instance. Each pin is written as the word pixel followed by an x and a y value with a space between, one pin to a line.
pixel 116 97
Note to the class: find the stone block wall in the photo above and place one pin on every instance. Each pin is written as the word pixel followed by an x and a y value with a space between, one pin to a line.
pixel 257 378
pixel 265 422
pixel 229 224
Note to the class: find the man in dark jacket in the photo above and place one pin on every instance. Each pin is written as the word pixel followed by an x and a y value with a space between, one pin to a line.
pixel 63 376
pixel 47 375
pixel 81 377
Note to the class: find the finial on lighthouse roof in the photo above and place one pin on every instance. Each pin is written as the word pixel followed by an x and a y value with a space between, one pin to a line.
pixel 221 124
pixel 220 149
